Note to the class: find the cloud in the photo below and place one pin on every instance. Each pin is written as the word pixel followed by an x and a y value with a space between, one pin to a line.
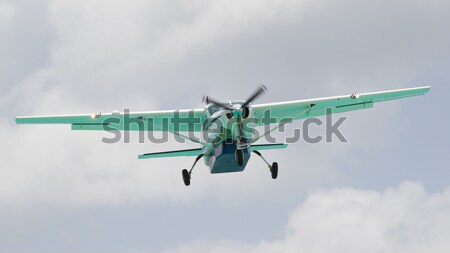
pixel 403 219
pixel 7 12
pixel 63 57
pixel 111 56
pixel 155 54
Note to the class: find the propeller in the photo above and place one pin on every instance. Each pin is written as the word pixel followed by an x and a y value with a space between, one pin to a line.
pixel 238 112
pixel 261 89
pixel 223 105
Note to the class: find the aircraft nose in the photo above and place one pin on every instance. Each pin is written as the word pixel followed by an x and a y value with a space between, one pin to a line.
pixel 237 113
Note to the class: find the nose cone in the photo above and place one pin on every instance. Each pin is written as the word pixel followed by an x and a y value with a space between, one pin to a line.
pixel 237 113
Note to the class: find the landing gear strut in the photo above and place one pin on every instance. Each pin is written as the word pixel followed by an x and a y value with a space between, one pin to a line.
pixel 187 174
pixel 273 168
pixel 239 157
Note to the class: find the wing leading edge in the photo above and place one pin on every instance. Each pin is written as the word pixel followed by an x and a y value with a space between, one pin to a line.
pixel 192 120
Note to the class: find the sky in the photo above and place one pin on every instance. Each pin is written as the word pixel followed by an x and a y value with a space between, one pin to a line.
pixel 386 190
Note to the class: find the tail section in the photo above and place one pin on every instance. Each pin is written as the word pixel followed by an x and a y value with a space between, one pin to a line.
pixel 198 151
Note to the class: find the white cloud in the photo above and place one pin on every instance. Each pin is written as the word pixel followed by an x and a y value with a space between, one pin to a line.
pixel 7 12
pixel 98 51
pixel 404 219
pixel 119 55
pixel 160 54
pixel 103 51
pixel 219 22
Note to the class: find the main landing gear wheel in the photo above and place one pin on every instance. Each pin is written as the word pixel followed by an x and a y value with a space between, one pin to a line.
pixel 239 157
pixel 187 174
pixel 274 170
pixel 186 177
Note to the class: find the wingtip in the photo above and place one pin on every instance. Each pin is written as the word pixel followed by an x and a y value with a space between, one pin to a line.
pixel 17 120
pixel 426 88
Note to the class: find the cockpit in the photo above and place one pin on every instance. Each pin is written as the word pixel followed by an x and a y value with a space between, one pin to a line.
pixel 213 108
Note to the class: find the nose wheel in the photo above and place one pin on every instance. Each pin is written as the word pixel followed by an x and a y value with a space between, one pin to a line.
pixel 239 157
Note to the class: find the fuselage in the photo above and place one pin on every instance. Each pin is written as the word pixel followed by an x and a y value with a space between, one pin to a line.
pixel 221 137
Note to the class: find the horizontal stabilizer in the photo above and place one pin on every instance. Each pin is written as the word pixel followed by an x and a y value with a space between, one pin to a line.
pixel 184 152
pixel 268 146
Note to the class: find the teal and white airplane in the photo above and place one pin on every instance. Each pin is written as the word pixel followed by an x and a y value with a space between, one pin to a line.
pixel 227 128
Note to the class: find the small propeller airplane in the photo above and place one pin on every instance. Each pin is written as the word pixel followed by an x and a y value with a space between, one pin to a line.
pixel 227 128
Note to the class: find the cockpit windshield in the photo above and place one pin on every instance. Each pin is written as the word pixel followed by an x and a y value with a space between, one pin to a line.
pixel 214 108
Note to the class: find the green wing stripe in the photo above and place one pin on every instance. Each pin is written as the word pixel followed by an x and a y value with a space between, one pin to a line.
pixel 308 108
pixel 172 121
pixel 63 119
pixel 268 146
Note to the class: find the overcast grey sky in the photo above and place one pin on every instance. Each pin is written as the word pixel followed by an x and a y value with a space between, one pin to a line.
pixel 386 190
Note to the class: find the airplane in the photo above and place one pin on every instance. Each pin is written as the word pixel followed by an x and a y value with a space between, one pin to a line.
pixel 227 127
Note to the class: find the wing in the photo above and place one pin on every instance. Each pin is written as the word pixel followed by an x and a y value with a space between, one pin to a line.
pixel 184 152
pixel 300 109
pixel 268 146
pixel 171 121
pixel 198 151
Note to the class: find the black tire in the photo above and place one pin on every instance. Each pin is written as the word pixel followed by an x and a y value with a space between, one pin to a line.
pixel 240 157
pixel 274 170
pixel 186 177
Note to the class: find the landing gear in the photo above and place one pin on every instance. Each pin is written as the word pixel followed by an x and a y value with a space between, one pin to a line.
pixel 186 177
pixel 239 156
pixel 187 174
pixel 273 168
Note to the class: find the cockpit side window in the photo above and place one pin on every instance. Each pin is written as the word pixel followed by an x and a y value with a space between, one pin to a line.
pixel 213 108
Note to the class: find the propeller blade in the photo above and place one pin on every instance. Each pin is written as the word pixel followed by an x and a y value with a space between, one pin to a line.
pixel 225 106
pixel 205 99
pixel 262 89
